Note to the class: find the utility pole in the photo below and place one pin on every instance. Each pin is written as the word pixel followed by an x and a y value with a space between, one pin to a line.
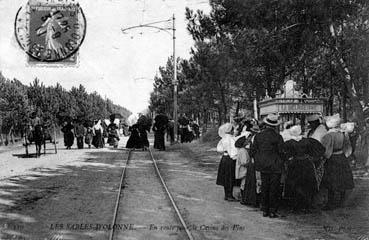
pixel 174 81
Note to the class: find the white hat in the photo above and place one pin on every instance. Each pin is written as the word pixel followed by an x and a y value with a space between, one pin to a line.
pixel 224 129
pixel 132 119
pixel 295 130
pixel 272 120
pixel 333 121
pixel 348 127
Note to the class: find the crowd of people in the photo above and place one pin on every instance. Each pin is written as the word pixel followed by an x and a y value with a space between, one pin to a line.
pixel 90 133
pixel 95 133
pixel 294 165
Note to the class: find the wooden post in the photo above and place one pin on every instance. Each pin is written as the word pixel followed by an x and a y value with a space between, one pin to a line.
pixel 56 151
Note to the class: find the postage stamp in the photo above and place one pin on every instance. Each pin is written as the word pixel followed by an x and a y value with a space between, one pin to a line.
pixel 50 31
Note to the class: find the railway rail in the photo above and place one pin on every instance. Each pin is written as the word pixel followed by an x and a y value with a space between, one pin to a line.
pixel 121 197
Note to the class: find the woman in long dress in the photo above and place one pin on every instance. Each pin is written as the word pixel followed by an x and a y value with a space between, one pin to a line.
pixel 304 155
pixel 337 176
pixel 98 140
pixel 134 140
pixel 89 136
pixel 113 134
pixel 227 166
pixel 160 125
pixel 248 183
pixel 68 131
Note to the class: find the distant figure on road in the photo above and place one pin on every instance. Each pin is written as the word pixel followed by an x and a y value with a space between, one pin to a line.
pixel 144 126
pixel 170 131
pixel 113 134
pixel 134 140
pixel 98 140
pixel 89 135
pixel 80 132
pixel 196 129
pixel 68 131
pixel 161 122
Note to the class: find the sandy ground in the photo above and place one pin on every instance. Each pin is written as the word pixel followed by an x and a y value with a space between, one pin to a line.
pixel 214 218
pixel 145 205
pixel 71 195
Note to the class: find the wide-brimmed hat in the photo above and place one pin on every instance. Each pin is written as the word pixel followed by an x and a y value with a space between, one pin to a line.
pixel 224 129
pixel 271 120
pixel 333 121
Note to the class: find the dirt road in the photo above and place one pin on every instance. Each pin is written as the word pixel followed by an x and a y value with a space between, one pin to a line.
pixel 71 195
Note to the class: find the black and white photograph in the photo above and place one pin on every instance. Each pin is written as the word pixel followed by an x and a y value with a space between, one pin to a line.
pixel 184 119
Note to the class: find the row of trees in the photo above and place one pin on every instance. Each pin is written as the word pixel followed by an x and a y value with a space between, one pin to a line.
pixel 19 103
pixel 245 48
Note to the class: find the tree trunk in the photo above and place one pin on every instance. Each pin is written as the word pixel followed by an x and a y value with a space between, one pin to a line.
pixel 350 86
pixel 344 101
pixel 205 121
pixel 364 82
pixel 220 119
pixel 224 103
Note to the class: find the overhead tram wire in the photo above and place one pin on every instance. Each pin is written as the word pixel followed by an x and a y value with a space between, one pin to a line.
pixel 175 80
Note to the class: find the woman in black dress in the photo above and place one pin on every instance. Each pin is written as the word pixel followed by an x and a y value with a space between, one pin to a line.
pixel 134 140
pixel 160 125
pixel 98 140
pixel 304 155
pixel 68 131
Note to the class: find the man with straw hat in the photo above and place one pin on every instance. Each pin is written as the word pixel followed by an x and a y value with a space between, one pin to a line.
pixel 267 150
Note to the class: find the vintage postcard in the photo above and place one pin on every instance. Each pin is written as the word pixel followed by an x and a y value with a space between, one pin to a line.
pixel 184 119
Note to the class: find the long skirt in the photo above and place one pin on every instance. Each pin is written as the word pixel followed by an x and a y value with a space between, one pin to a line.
pixel 337 174
pixel 301 178
pixel 68 139
pixel 301 183
pixel 159 140
pixel 144 139
pixel 250 186
pixel 88 139
pixel 134 141
pixel 80 142
pixel 226 173
pixel 98 140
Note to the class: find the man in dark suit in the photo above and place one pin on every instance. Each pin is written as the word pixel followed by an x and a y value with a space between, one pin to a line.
pixel 267 150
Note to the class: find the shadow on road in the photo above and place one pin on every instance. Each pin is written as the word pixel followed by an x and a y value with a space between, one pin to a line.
pixel 74 201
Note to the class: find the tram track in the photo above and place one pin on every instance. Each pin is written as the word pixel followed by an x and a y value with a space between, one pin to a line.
pixel 123 197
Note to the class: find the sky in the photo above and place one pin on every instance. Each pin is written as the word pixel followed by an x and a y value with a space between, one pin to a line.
pixel 118 66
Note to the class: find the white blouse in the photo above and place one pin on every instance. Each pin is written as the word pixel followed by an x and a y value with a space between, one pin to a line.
pixel 226 144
